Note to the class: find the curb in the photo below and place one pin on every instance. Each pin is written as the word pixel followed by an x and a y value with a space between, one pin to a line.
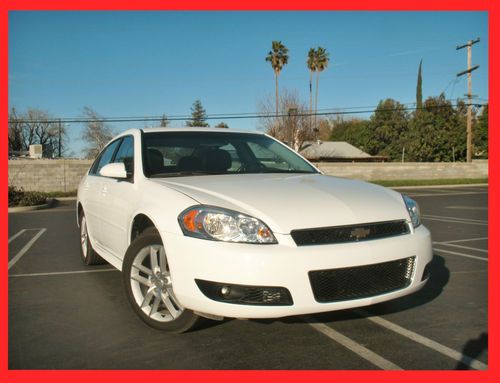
pixel 20 209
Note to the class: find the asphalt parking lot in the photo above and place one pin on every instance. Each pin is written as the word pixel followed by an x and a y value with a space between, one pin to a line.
pixel 64 315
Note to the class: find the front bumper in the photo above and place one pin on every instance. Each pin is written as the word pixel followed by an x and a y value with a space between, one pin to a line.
pixel 285 265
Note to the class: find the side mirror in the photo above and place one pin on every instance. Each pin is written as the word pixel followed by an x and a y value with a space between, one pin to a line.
pixel 114 170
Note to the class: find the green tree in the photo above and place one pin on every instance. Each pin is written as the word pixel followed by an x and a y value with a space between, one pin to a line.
pixel 322 59
pixel 437 132
pixel 311 65
pixel 419 87
pixel 198 115
pixel 222 125
pixel 481 134
pixel 355 131
pixel 278 57
pixel 389 124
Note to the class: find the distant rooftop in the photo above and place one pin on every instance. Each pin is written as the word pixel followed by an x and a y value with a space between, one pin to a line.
pixel 332 149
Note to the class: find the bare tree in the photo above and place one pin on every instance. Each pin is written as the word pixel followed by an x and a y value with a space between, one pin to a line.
pixel 292 125
pixel 15 131
pixel 164 121
pixel 96 132
pixel 36 126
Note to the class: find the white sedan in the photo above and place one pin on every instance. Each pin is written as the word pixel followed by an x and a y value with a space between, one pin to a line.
pixel 222 223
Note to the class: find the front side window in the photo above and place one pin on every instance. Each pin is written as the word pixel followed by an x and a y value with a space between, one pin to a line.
pixel 125 154
pixel 174 154
pixel 104 158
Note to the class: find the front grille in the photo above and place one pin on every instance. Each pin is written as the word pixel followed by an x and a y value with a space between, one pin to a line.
pixel 361 281
pixel 349 233
pixel 245 295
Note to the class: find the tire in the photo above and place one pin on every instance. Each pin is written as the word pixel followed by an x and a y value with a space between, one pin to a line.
pixel 87 253
pixel 148 286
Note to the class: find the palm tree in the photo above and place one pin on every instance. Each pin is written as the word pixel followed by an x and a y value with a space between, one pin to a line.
pixel 278 57
pixel 321 63
pixel 311 65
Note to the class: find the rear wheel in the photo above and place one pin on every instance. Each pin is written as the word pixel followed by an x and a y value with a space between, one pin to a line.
pixel 87 252
pixel 148 284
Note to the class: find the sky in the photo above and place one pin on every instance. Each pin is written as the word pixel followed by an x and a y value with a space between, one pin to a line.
pixel 152 63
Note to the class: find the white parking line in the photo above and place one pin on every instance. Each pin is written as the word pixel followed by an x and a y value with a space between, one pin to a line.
pixel 456 218
pixel 460 246
pixel 461 254
pixel 468 361
pixel 21 252
pixel 443 194
pixel 441 191
pixel 355 347
pixel 61 273
pixel 467 207
pixel 21 232
pixel 466 240
pixel 16 235
pixel 469 271
pixel 454 221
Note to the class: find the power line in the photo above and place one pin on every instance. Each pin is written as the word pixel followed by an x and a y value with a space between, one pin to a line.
pixel 325 112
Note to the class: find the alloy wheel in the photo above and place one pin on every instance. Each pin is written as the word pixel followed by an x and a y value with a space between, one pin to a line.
pixel 151 285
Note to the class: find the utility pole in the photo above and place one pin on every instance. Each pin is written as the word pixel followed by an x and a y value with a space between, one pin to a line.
pixel 468 71
pixel 60 127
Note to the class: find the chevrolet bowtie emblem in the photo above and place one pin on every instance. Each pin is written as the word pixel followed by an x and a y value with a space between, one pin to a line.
pixel 360 233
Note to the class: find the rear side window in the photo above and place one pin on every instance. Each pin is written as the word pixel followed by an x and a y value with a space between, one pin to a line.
pixel 105 157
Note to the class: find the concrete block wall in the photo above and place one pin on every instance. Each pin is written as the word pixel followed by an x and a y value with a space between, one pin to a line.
pixel 47 175
pixel 371 171
pixel 64 175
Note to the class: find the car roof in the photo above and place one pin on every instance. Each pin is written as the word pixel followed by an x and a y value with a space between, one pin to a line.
pixel 185 129
pixel 198 129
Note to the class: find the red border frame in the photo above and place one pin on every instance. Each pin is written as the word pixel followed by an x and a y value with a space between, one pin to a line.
pixel 491 375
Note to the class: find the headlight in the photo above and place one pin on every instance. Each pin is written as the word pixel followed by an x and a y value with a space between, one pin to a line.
pixel 219 224
pixel 413 210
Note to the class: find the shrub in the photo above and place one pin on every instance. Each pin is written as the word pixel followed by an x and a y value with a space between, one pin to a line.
pixel 15 195
pixel 33 198
pixel 19 197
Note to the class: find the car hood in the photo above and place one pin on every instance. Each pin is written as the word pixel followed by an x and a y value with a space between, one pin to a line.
pixel 294 201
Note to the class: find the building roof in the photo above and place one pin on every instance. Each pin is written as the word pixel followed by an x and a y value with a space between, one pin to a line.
pixel 332 149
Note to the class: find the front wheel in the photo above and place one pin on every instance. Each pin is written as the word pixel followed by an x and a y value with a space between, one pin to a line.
pixel 148 285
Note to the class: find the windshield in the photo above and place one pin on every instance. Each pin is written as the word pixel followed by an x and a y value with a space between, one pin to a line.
pixel 175 154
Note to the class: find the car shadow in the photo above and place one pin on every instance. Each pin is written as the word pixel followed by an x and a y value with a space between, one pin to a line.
pixel 439 278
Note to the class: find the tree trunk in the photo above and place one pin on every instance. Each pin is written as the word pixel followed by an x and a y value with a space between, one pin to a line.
pixel 316 101
pixel 310 96
pixel 276 77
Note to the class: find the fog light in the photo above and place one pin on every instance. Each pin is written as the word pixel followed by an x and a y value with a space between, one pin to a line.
pixel 245 294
